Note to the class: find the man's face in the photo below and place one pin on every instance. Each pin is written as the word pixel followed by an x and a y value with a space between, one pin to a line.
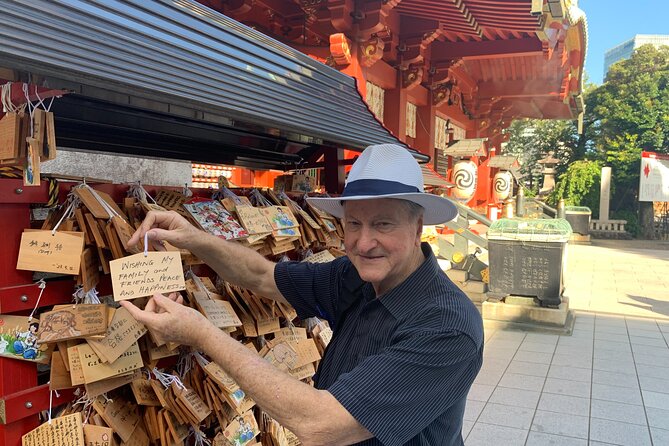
pixel 382 241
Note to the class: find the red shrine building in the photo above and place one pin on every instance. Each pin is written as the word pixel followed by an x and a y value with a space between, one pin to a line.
pixel 278 85
pixel 445 77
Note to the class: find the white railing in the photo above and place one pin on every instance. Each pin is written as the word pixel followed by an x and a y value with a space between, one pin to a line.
pixel 608 225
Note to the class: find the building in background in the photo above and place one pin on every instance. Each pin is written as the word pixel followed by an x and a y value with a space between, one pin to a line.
pixel 625 49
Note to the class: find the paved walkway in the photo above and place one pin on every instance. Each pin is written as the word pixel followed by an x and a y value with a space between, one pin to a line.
pixel 619 276
pixel 607 383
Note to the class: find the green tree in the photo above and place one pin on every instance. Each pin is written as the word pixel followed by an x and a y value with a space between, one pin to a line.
pixel 579 185
pixel 532 139
pixel 627 114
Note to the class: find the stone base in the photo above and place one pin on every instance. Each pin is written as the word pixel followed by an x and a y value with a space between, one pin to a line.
pixel 567 329
pixel 525 312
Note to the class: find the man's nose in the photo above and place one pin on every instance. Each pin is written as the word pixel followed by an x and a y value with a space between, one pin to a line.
pixel 367 240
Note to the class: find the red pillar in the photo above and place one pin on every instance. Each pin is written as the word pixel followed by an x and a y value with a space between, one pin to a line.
pixel 425 129
pixel 395 111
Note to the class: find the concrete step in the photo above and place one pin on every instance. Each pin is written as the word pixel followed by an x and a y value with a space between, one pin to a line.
pixel 457 275
pixel 473 286
pixel 477 298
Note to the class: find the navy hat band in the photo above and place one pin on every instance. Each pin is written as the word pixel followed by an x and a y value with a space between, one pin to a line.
pixel 359 188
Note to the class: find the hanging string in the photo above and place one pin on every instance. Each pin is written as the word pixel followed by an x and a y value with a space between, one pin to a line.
pixel 201 360
pixel 284 258
pixel 185 362
pixel 259 199
pixel 31 109
pixel 110 210
pixel 6 98
pixel 50 404
pixel 137 191
pixel 186 191
pixel 67 214
pixel 79 295
pixel 291 326
pixel 92 297
pixel 200 438
pixel 166 379
pixel 227 193
pixel 146 244
pixel 308 253
pixel 42 285
pixel 87 403
pixel 198 282
pixel 312 322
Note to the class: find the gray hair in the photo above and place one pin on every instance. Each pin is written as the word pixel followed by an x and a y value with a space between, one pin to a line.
pixel 414 210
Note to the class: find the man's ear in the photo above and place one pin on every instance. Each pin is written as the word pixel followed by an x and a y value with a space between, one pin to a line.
pixel 419 229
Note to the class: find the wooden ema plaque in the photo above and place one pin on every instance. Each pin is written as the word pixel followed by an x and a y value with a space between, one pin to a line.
pixel 72 321
pixel 96 370
pixel 52 253
pixel 62 431
pixel 142 275
pixel 123 331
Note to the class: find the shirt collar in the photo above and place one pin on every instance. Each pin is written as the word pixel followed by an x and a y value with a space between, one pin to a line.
pixel 408 297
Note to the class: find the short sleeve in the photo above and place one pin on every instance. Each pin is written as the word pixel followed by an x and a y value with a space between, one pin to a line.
pixel 400 391
pixel 311 288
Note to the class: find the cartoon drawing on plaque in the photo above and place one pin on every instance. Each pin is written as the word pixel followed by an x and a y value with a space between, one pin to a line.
pixel 244 433
pixel 25 344
pixel 59 325
pixel 18 339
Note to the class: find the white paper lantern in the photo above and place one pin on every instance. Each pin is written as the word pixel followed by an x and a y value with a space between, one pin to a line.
pixel 464 178
pixel 502 184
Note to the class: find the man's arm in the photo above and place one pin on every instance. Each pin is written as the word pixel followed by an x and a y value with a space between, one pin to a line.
pixel 315 416
pixel 234 263
pixel 237 264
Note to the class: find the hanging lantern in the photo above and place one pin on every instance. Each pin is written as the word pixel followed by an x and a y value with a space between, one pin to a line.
pixel 464 177
pixel 502 184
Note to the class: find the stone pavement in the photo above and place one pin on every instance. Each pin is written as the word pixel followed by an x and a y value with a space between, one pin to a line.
pixel 628 277
pixel 607 383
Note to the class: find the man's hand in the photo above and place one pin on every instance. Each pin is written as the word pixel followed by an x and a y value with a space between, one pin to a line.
pixel 168 226
pixel 169 320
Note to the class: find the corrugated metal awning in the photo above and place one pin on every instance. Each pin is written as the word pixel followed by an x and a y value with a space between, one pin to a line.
pixel 467 147
pixel 180 52
pixel 432 178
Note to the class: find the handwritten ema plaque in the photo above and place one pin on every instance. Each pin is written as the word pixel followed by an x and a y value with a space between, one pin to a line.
pixel 139 275
pixel 62 431
pixel 51 253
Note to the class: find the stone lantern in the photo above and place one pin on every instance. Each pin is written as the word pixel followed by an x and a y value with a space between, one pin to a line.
pixel 548 163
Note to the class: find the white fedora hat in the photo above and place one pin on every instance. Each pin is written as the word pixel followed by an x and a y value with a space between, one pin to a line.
pixel 388 171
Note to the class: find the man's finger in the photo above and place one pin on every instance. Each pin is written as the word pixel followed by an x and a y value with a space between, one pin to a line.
pixel 164 302
pixel 150 306
pixel 144 317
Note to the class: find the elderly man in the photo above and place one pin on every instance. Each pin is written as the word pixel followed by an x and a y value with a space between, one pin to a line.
pixel 407 342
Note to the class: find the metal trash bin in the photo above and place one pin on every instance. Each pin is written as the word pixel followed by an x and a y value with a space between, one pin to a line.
pixel 579 218
pixel 527 257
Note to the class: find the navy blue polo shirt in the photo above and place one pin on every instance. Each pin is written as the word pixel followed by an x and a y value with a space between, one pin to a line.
pixel 402 365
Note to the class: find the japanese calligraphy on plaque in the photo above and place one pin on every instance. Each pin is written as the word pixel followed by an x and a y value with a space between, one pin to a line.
pixel 62 431
pixel 95 370
pixel 59 252
pixel 72 321
pixel 123 331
